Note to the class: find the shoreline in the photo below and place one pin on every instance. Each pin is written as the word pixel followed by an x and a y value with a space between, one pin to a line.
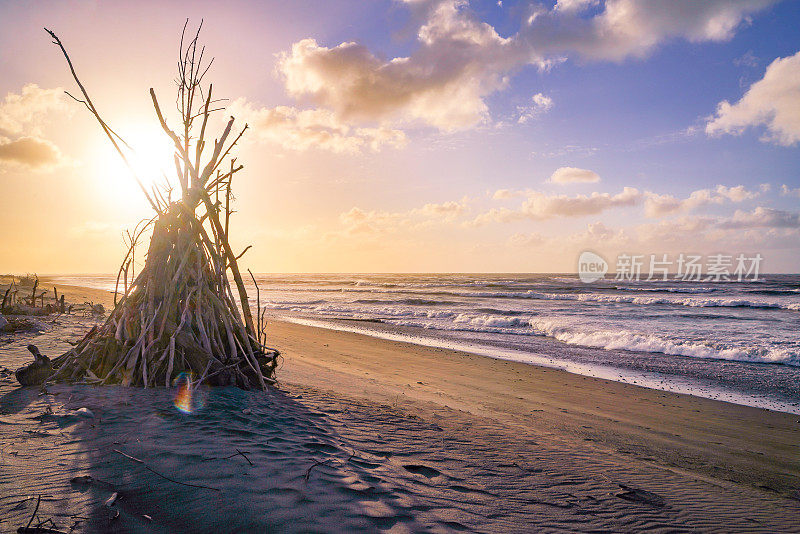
pixel 650 380
pixel 659 380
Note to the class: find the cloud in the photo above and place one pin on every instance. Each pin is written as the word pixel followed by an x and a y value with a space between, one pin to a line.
pixel 626 28
pixel 527 240
pixel 766 228
pixel 659 205
pixel 771 102
pixel 447 211
pixel 23 112
pixel 569 175
pixel 438 225
pixel 786 191
pixel 359 221
pixel 539 206
pixel 460 60
pixel 30 152
pixel 568 150
pixel 748 59
pixel 505 194
pixel 707 235
pixel 300 130
pixel 762 217
pixel 595 234
pixel 672 137
pixel 575 5
pixel 442 84
pixel 373 222
pixel 22 116
pixel 539 104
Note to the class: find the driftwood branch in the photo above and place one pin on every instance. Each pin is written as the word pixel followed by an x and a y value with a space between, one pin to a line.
pixel 38 501
pixel 111 134
pixel 33 292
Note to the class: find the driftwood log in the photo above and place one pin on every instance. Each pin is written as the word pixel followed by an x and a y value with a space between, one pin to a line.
pixel 33 292
pixel 36 372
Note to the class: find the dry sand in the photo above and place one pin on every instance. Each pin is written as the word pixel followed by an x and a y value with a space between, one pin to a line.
pixel 369 434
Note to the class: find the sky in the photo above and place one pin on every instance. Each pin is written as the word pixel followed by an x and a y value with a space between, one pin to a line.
pixel 418 135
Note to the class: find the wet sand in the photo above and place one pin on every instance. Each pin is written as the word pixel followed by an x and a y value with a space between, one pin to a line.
pixel 369 434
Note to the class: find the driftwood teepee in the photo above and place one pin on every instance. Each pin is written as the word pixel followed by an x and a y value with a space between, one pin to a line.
pixel 179 314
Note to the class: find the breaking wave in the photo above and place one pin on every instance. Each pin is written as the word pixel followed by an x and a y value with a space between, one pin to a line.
pixel 609 339
pixel 632 341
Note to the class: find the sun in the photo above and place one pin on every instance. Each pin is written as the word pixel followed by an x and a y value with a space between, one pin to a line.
pixel 150 156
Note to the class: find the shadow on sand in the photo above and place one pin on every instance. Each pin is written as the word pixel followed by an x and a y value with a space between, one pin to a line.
pixel 294 473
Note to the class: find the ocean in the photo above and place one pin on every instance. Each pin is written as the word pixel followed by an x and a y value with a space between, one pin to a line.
pixel 733 341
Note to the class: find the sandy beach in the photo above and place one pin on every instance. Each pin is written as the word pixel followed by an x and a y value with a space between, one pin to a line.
pixel 404 266
pixel 369 434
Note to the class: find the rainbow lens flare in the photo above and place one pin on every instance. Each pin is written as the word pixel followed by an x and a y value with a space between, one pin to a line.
pixel 183 398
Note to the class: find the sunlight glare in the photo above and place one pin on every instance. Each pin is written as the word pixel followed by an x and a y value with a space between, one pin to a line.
pixel 151 159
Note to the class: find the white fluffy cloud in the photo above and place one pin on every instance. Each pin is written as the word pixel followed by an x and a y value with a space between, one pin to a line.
pixel 574 5
pixel 772 102
pixel 23 111
pixel 568 175
pixel 443 83
pixel 460 59
pixel 625 28
pixel 659 205
pixel 302 129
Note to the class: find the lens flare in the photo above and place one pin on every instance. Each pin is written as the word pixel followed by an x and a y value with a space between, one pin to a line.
pixel 183 399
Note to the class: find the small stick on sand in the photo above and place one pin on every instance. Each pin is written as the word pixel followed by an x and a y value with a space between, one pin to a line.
pixel 39 500
pixel 37 509
pixel 138 461
pixel 315 464
pixel 243 456
pixel 237 453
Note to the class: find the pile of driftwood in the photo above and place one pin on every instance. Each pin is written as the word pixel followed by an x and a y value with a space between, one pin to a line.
pixel 19 300
pixel 179 313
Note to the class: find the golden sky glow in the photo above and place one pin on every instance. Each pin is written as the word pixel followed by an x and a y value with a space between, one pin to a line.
pixel 417 136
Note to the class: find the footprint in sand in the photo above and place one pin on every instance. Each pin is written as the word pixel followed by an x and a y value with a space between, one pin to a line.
pixel 322 447
pixel 423 470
